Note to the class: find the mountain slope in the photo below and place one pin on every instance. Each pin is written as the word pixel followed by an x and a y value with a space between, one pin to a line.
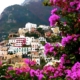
pixel 39 10
pixel 29 1
pixel 17 16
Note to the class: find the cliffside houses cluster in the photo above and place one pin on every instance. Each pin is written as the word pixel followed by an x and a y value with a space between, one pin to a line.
pixel 24 46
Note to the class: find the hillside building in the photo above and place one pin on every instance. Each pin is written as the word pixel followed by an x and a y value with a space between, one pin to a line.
pixel 30 26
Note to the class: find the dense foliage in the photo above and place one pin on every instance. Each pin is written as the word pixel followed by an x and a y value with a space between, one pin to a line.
pixel 33 34
pixel 69 52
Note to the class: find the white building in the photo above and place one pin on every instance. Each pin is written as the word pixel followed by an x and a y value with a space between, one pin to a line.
pixel 44 27
pixel 41 52
pixel 34 43
pixel 29 40
pixel 11 49
pixel 23 50
pixel 42 39
pixel 12 40
pixel 30 26
pixel 34 46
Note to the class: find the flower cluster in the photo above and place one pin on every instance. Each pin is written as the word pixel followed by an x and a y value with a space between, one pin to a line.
pixel 69 38
pixel 14 73
pixel 38 73
pixel 51 50
pixel 47 72
pixel 30 62
pixel 69 5
pixel 63 58
pixel 68 8
pixel 72 47
pixel 48 48
pixel 54 17
pixel 75 4
pixel 54 72
pixel 74 73
pixel 22 71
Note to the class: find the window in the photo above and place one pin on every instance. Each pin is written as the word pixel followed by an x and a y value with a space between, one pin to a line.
pixel 17 49
pixel 24 49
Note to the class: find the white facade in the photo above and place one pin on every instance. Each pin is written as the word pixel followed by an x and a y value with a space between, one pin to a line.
pixel 41 51
pixel 35 45
pixel 29 40
pixel 12 41
pixel 23 50
pixel 44 27
pixel 42 39
pixel 30 25
pixel 11 49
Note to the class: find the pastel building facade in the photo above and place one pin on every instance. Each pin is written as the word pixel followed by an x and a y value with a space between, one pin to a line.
pixel 22 31
pixel 17 42
pixel 42 39
pixel 34 45
pixel 55 30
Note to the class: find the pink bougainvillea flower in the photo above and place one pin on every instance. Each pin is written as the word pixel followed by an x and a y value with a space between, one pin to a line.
pixel 72 4
pixel 54 11
pixel 32 72
pixel 65 23
pixel 10 68
pixel 53 19
pixel 74 73
pixel 78 6
pixel 48 48
pixel 32 63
